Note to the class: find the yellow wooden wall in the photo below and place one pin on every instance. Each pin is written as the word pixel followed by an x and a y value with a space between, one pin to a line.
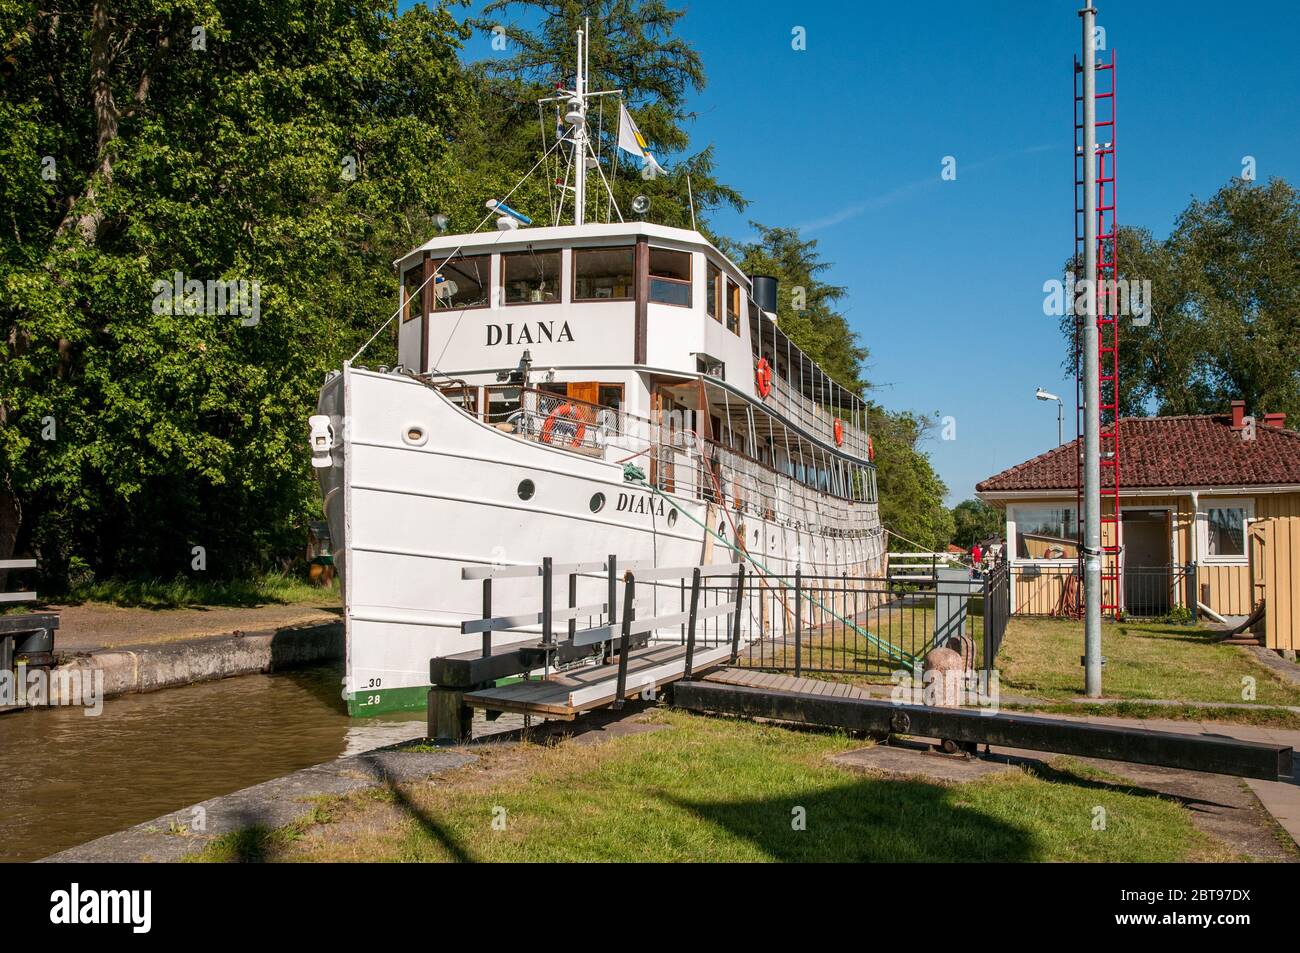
pixel 1275 567
pixel 1232 590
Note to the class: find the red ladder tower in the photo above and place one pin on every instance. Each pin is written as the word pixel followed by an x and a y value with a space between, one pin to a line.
pixel 1108 308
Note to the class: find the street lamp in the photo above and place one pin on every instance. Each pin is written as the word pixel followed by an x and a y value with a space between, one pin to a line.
pixel 1060 413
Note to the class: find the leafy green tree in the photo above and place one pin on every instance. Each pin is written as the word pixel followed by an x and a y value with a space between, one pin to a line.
pixel 300 145
pixel 1225 306
pixel 632 47
pixel 974 520
pixel 911 493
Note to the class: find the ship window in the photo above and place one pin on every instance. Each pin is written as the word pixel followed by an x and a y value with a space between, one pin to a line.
pixel 597 502
pixel 411 282
pixel 501 403
pixel 713 274
pixel 530 277
pixel 602 274
pixel 670 277
pixel 463 396
pixel 526 489
pixel 464 283
pixel 733 307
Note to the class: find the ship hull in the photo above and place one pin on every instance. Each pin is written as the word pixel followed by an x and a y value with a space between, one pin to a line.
pixel 416 490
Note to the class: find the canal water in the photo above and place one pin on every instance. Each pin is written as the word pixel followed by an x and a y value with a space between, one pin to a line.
pixel 66 778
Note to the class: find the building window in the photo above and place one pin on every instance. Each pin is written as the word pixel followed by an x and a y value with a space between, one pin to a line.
pixel 1046 532
pixel 602 274
pixel 733 307
pixel 411 295
pixel 670 277
pixel 463 283
pixel 711 292
pixel 529 277
pixel 1225 529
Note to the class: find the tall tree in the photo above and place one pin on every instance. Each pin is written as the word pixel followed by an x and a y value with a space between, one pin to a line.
pixel 1224 321
pixel 633 48
pixel 974 520
pixel 911 492
pixel 298 147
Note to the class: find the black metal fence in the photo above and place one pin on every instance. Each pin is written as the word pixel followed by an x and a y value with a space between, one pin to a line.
pixel 1148 591
pixel 846 625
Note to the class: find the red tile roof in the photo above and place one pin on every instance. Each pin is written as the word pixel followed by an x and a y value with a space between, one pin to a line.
pixel 1191 451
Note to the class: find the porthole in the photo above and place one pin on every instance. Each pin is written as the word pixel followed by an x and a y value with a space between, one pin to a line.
pixel 415 435
pixel 526 489
pixel 597 502
pixel 672 517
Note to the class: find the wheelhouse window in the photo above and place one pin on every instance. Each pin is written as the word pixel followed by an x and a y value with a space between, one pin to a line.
pixel 411 281
pixel 713 274
pixel 463 283
pixel 602 274
pixel 1225 527
pixel 1046 532
pixel 529 277
pixel 733 307
pixel 670 276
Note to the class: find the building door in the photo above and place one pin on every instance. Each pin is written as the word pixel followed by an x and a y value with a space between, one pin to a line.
pixel 1146 562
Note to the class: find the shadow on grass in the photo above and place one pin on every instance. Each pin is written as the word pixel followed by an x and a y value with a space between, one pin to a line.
pixel 869 821
pixel 183 592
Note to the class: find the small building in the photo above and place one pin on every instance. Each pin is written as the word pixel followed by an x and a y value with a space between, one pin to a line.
pixel 1209 512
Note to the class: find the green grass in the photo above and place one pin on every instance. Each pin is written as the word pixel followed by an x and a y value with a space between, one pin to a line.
pixel 271 588
pixel 706 789
pixel 1144 660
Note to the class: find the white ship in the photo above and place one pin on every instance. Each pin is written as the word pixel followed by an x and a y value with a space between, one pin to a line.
pixel 576 390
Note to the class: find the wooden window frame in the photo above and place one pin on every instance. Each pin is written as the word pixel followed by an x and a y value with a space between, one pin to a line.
pixel 487 286
pixel 559 287
pixel 573 273
pixel 688 282
pixel 726 305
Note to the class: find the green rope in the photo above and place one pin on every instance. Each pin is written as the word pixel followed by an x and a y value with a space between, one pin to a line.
pixel 634 474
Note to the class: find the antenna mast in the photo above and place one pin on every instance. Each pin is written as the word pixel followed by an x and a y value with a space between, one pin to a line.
pixel 577 117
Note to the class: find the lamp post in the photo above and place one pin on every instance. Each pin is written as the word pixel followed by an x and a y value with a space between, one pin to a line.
pixel 1060 413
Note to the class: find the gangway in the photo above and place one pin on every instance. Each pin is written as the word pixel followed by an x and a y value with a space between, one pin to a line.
pixel 583 668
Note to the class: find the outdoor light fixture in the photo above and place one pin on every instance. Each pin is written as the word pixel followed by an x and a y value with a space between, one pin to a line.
pixel 1060 413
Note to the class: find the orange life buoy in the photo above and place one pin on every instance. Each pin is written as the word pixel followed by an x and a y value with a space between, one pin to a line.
pixel 871 450
pixel 839 432
pixel 763 377
pixel 566 415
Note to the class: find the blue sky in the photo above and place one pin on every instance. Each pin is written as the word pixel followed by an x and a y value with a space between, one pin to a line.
pixel 944 278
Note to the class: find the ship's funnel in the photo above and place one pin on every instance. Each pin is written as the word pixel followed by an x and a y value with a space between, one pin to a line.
pixel 764 292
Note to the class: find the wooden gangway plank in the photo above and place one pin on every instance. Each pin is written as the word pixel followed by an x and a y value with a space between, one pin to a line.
pixel 771 682
pixel 566 694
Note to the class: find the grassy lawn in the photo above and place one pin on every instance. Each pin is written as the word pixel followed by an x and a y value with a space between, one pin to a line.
pixel 272 588
pixel 705 789
pixel 1144 660
pixel 829 643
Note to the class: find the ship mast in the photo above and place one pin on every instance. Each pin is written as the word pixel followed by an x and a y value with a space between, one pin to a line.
pixel 582 156
pixel 580 131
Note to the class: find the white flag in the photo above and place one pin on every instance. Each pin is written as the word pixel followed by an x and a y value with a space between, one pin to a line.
pixel 630 140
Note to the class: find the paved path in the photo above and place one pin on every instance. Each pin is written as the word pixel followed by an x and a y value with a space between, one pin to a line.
pixel 1280 798
pixel 88 628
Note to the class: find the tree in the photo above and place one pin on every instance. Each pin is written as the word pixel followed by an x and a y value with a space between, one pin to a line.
pixel 298 147
pixel 632 48
pixel 911 493
pixel 1225 306
pixel 974 520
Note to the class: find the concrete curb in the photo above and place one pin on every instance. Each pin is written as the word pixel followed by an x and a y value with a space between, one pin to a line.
pixel 1287 671
pixel 148 668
